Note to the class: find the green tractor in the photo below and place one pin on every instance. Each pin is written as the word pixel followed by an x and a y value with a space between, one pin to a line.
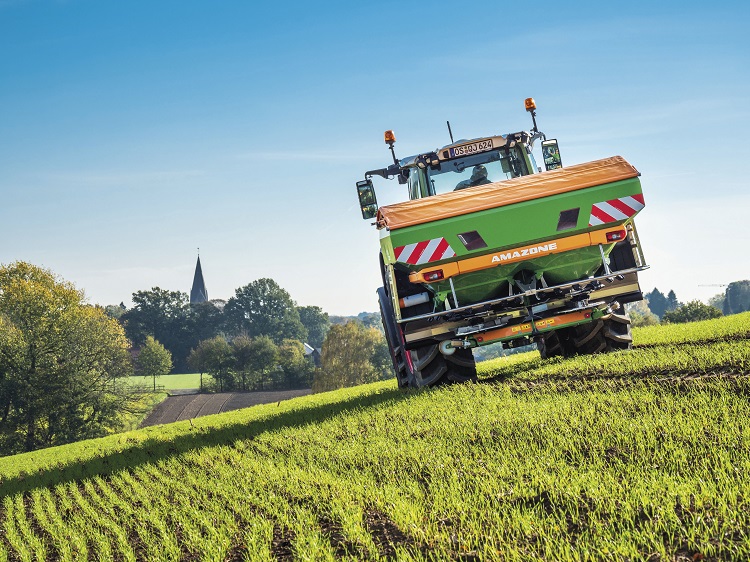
pixel 489 248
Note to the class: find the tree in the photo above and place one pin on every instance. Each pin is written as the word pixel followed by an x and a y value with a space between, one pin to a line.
pixel 352 354
pixel 214 356
pixel 153 360
pixel 198 361
pixel 298 370
pixel 154 313
pixel 737 297
pixel 242 353
pixel 115 310
pixel 640 314
pixel 657 302
pixel 371 320
pixel 262 355
pixel 380 358
pixel 263 308
pixel 691 312
pixel 316 322
pixel 717 301
pixel 63 363
pixel 672 302
pixel 205 320
pixel 164 315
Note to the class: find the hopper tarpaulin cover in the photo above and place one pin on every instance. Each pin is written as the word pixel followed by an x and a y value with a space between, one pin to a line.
pixel 507 192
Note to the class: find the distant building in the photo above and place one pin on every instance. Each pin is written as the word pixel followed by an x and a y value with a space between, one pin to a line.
pixel 312 354
pixel 198 293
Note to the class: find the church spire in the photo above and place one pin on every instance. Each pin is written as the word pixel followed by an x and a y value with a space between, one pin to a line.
pixel 198 293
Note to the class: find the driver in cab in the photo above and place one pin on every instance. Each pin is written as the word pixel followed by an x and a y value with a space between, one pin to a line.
pixel 478 177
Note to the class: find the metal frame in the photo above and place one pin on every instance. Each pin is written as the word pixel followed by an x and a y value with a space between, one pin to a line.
pixel 576 288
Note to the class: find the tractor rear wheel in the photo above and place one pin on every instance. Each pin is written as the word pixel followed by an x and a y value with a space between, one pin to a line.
pixel 554 344
pixel 603 336
pixel 600 336
pixel 423 366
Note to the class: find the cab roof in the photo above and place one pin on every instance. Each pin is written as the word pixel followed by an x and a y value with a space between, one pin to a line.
pixel 444 151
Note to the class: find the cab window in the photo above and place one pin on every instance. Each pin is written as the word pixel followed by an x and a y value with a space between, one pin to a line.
pixel 417 184
pixel 478 169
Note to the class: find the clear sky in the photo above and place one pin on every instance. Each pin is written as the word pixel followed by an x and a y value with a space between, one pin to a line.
pixel 132 133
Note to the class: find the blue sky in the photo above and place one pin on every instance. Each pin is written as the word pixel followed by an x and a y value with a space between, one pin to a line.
pixel 132 133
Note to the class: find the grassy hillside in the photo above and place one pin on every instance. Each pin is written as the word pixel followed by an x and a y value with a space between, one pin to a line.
pixel 632 456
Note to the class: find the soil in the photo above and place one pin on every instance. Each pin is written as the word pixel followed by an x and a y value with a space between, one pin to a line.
pixel 187 406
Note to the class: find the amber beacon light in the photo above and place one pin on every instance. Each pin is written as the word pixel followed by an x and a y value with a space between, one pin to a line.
pixel 530 104
pixel 390 137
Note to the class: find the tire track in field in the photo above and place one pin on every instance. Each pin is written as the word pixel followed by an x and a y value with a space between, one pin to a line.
pixel 168 411
pixel 193 408
pixel 214 404
pixel 185 407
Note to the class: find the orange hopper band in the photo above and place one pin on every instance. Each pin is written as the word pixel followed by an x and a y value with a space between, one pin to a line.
pixel 502 193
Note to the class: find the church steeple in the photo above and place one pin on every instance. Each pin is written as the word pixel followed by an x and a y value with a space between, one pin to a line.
pixel 198 293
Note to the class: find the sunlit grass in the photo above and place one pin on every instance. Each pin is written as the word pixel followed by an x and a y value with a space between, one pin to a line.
pixel 172 382
pixel 627 456
pixel 736 326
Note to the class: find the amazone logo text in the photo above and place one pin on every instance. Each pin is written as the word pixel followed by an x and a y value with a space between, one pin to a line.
pixel 525 252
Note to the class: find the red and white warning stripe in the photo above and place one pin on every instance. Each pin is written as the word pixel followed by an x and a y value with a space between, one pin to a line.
pixel 616 210
pixel 424 252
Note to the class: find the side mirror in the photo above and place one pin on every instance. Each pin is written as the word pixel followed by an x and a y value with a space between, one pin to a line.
pixel 367 200
pixel 551 154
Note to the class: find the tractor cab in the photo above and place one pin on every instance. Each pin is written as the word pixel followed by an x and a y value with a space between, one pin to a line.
pixel 462 164
pixel 469 163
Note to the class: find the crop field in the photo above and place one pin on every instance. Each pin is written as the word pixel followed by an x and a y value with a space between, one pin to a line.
pixel 191 406
pixel 640 455
pixel 172 382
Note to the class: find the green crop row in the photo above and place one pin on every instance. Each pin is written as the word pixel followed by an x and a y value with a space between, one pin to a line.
pixel 726 328
pixel 626 456
pixel 597 474
pixel 658 362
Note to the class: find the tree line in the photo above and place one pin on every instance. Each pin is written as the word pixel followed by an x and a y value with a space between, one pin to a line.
pixel 658 307
pixel 260 308
pixel 64 363
pixel 256 339
pixel 245 363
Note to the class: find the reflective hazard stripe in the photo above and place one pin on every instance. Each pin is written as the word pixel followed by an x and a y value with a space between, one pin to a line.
pixel 615 210
pixel 424 252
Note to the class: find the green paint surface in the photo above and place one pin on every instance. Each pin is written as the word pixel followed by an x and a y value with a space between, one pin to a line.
pixel 512 226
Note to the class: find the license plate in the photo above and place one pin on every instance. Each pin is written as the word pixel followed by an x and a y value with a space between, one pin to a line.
pixel 472 148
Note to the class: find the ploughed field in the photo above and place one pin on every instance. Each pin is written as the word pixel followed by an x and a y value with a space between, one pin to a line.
pixel 641 455
pixel 188 406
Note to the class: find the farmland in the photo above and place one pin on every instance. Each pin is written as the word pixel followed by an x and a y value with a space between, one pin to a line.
pixel 191 406
pixel 172 382
pixel 641 455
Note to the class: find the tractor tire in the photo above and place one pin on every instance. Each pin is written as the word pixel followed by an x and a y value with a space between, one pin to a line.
pixel 428 367
pixel 603 336
pixel 618 332
pixel 600 336
pixel 424 366
pixel 393 338
pixel 554 344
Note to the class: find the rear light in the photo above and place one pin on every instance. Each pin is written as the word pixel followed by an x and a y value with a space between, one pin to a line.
pixel 616 235
pixel 433 275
